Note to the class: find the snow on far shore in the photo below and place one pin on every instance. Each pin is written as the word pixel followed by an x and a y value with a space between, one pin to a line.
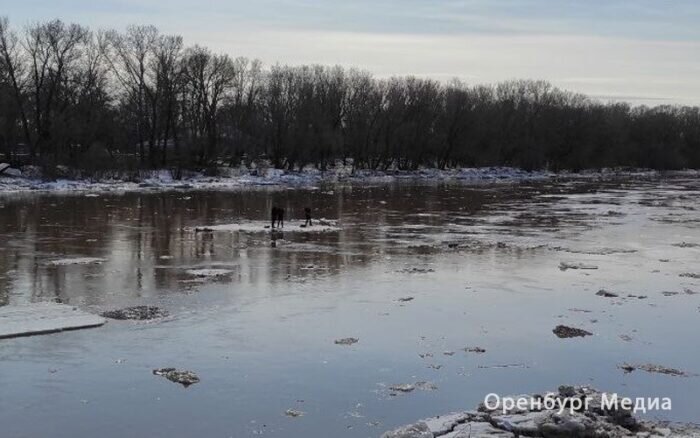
pixel 237 178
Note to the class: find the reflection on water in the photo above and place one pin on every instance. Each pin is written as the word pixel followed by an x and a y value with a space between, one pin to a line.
pixel 148 240
pixel 480 264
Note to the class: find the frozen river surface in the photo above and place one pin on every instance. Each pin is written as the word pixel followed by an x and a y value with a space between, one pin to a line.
pixel 420 275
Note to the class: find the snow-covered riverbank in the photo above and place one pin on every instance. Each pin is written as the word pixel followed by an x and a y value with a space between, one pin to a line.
pixel 235 178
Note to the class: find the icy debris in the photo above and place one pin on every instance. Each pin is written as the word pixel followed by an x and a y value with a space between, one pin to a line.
pixel 639 297
pixel 599 251
pixel 204 273
pixel 565 265
pixel 606 294
pixel 323 222
pixel 502 366
pixel 43 318
pixel 477 350
pixel 591 420
pixel 415 270
pixel 653 368
pixel 140 313
pixel 346 341
pixel 690 275
pixel 444 424
pixel 265 175
pixel 403 387
pixel 229 227
pixel 293 413
pixel 563 331
pixel 6 170
pixel 184 378
pixel 669 293
pixel 410 387
pixel 425 386
pixel 405 299
pixel 615 213
pixel 78 261
pixel 687 245
pixel 418 430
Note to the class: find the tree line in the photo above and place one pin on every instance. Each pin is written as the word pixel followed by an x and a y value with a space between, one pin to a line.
pixel 141 99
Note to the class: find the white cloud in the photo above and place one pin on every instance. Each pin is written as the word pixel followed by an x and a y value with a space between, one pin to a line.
pixel 665 70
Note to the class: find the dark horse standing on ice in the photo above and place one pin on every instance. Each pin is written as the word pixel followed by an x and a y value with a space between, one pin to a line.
pixel 277 216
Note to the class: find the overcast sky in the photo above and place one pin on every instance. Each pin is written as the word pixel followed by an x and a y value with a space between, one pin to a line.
pixel 643 51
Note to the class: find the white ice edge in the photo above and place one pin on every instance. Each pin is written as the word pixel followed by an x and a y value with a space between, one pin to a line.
pixel 43 318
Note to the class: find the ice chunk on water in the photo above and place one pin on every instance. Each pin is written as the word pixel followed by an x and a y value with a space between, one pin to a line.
pixel 78 261
pixel 43 318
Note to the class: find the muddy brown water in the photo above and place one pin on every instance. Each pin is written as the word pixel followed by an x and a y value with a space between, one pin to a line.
pixel 482 265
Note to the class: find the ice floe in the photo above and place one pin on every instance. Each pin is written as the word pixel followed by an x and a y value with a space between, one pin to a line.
pixel 43 318
pixel 323 225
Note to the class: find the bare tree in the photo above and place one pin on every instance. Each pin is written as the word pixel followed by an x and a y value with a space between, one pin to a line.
pixel 208 78
pixel 168 80
pixel 278 105
pixel 13 70
pixel 54 49
pixel 242 121
pixel 129 56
